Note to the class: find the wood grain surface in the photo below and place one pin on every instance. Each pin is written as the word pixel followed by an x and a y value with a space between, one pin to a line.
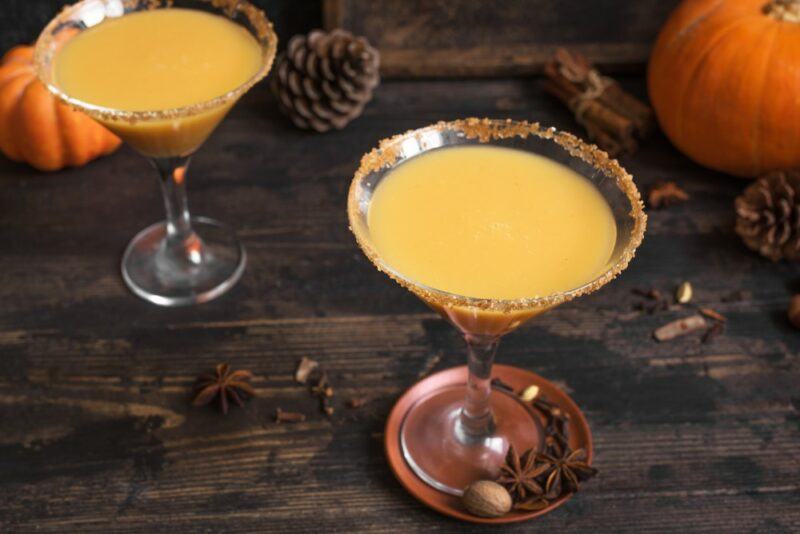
pixel 96 430
pixel 424 38
pixel 22 20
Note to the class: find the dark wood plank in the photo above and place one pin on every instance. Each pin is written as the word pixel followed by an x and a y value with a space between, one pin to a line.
pixel 97 431
pixel 22 20
pixel 501 38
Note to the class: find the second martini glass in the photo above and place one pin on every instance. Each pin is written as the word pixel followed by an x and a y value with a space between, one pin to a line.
pixel 183 260
pixel 458 434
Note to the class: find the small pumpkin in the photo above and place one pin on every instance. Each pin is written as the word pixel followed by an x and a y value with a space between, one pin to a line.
pixel 724 80
pixel 37 128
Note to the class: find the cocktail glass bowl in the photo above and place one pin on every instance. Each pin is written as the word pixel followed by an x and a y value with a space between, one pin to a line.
pixel 456 435
pixel 185 259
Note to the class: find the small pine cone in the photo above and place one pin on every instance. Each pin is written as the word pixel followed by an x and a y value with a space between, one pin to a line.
pixel 768 215
pixel 323 80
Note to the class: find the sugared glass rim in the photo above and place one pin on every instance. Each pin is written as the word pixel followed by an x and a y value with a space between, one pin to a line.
pixel 486 130
pixel 264 33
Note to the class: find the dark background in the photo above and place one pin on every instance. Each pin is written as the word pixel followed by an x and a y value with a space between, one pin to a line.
pixel 22 20
pixel 444 38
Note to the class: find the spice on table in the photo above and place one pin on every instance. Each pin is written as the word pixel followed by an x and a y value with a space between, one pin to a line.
pixel 536 479
pixel 713 332
pixel 499 384
pixel 718 326
pixel 658 301
pixel 683 295
pixel 304 369
pixel 529 393
pixel 288 417
pixel 652 293
pixel 485 498
pixel 713 314
pixel 323 390
pixel 567 469
pixel 225 386
pixel 664 194
pixel 681 327
pixel 326 407
pixel 519 473
pixel 357 402
pixel 612 117
pixel 794 311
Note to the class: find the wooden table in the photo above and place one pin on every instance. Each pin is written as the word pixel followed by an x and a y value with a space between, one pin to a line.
pixel 97 432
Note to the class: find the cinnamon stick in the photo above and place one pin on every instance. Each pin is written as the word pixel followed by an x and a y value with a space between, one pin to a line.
pixel 288 417
pixel 681 327
pixel 612 117
pixel 622 102
pixel 594 112
pixel 605 141
pixel 579 70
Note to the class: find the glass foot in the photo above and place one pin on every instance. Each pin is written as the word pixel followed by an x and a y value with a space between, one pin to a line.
pixel 200 269
pixel 440 453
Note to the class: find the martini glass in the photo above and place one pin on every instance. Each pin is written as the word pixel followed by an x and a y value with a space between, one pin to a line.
pixel 458 434
pixel 184 259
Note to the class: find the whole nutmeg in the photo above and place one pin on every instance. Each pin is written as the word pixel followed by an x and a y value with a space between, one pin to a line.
pixel 794 311
pixel 486 499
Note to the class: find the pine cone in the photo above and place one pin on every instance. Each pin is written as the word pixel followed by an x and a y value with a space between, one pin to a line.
pixel 768 215
pixel 323 80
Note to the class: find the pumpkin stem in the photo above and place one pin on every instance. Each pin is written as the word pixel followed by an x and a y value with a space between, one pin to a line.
pixel 785 10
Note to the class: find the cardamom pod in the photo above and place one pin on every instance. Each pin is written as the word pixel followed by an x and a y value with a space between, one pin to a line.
pixel 684 293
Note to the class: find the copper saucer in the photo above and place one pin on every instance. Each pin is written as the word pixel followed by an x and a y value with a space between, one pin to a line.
pixel 579 437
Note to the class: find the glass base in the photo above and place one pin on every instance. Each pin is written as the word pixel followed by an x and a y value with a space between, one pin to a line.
pixel 205 267
pixel 436 448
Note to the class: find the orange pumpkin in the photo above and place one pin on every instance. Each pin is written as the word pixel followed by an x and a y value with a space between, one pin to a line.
pixel 724 79
pixel 37 128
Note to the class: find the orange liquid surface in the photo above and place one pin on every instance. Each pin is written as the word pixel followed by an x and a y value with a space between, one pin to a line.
pixel 491 222
pixel 156 60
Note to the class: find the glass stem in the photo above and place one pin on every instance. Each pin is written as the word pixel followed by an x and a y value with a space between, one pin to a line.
pixel 182 246
pixel 476 419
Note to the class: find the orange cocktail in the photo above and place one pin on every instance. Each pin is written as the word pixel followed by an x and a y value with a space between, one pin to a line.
pixel 156 60
pixel 540 227
pixel 162 78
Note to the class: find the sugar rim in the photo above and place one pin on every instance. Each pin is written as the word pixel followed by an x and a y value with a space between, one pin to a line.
pixel 264 33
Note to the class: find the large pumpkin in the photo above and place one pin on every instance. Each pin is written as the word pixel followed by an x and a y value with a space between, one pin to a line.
pixel 724 79
pixel 37 128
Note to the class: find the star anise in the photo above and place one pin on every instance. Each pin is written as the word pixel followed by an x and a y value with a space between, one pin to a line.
pixel 225 385
pixel 556 436
pixel 536 480
pixel 519 474
pixel 566 470
pixel 554 441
